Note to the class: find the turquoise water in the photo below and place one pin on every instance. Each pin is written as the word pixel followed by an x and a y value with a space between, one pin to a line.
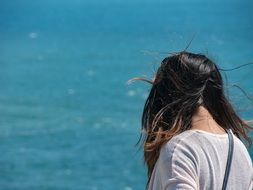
pixel 67 118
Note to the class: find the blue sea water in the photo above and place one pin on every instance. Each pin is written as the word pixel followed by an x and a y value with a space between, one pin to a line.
pixel 68 120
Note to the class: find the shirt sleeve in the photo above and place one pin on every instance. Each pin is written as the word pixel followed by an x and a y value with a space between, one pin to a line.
pixel 179 167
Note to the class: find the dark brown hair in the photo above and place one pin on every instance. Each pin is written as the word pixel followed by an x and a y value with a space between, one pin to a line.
pixel 182 83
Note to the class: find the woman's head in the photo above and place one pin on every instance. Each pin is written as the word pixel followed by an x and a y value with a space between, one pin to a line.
pixel 182 83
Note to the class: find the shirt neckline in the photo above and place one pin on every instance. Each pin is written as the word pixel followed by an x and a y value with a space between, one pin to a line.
pixel 209 133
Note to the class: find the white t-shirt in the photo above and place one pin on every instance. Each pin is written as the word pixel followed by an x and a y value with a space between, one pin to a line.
pixel 196 160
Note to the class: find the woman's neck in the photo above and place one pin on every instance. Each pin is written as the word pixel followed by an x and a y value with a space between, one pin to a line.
pixel 203 120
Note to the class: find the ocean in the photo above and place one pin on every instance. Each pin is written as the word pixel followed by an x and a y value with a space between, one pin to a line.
pixel 68 120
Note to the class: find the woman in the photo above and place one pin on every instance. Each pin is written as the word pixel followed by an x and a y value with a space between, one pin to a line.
pixel 186 118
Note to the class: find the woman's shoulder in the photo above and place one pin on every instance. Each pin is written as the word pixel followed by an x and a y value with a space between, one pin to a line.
pixel 183 142
pixel 194 138
pixel 187 136
pixel 195 142
pixel 182 150
pixel 191 142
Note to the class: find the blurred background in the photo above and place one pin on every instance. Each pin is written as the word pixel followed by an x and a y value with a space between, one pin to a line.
pixel 68 120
